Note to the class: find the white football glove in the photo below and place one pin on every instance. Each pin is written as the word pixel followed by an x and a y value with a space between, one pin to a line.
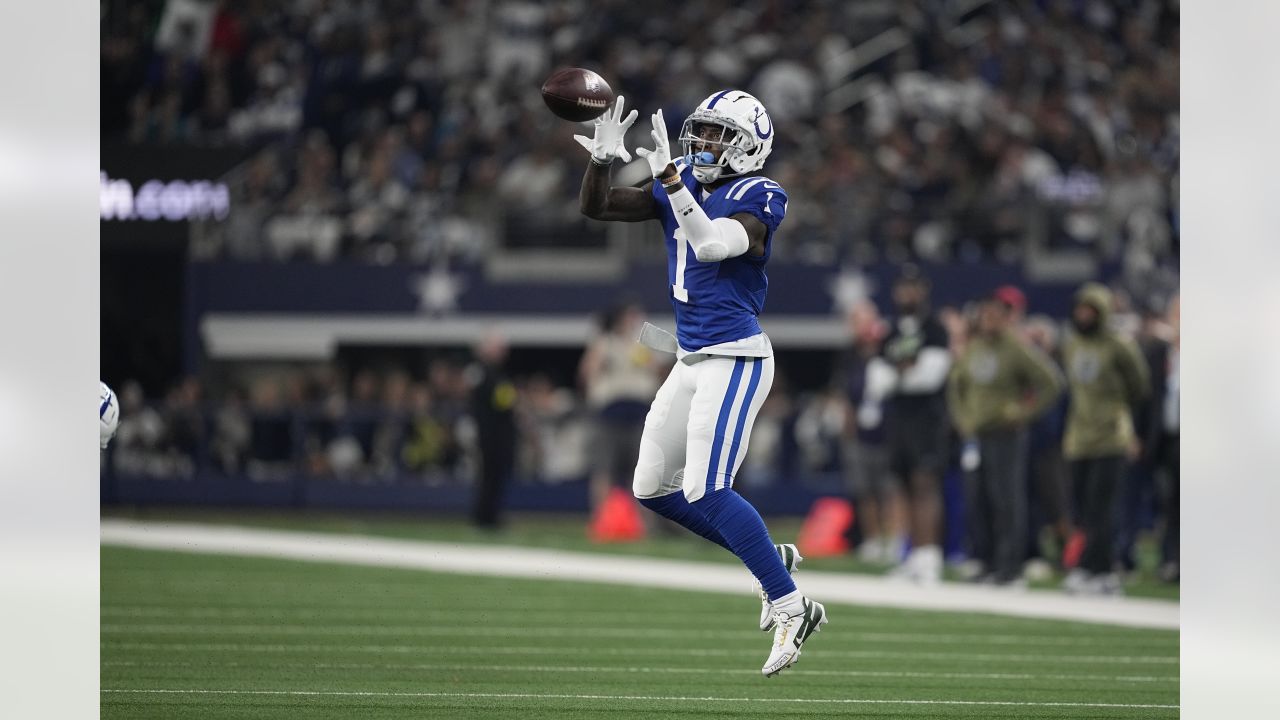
pixel 660 156
pixel 611 128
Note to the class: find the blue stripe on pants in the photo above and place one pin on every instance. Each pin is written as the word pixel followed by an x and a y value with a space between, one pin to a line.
pixel 756 365
pixel 722 424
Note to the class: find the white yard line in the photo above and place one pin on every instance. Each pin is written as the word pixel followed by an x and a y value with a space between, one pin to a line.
pixel 658 670
pixel 645 698
pixel 543 564
pixel 312 648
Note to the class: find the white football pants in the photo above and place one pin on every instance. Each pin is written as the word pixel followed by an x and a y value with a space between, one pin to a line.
pixel 696 432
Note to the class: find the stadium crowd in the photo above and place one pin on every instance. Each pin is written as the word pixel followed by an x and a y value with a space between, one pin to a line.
pixel 404 130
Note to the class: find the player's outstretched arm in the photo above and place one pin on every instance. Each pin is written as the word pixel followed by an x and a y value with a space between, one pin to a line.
pixel 597 198
pixel 600 201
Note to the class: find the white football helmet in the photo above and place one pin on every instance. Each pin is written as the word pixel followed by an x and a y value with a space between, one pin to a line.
pixel 745 135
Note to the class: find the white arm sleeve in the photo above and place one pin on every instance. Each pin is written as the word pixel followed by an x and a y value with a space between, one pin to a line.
pixel 712 240
pixel 881 379
pixel 928 374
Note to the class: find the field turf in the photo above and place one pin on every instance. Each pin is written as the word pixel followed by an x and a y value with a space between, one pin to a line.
pixel 200 636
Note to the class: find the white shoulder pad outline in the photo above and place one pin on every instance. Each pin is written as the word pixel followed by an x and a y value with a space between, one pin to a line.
pixel 739 190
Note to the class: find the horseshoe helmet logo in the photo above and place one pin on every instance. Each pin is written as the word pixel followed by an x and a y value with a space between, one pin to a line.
pixel 762 134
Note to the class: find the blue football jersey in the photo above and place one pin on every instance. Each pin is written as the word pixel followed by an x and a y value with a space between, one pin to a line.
pixel 718 302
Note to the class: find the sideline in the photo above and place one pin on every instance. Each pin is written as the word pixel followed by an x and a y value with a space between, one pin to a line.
pixel 545 564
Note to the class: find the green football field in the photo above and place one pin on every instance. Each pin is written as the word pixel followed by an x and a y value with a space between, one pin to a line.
pixel 207 636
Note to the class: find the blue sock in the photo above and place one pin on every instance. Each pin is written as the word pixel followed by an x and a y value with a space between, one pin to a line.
pixel 740 525
pixel 676 507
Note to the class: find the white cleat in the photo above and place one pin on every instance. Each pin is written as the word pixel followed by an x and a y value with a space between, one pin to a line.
pixel 791 558
pixel 790 633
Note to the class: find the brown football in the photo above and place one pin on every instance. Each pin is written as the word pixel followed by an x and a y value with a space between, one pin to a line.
pixel 577 94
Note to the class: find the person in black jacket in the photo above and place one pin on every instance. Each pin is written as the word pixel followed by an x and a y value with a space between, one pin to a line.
pixel 493 399
pixel 910 377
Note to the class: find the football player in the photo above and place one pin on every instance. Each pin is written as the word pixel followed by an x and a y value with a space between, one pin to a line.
pixel 718 216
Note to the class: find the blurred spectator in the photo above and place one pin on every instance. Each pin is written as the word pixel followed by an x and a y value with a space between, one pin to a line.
pixel 255 199
pixel 1138 498
pixel 232 434
pixel 186 27
pixel 1168 450
pixel 145 444
pixel 1108 379
pixel 1157 428
pixel 877 497
pixel 517 42
pixel 910 378
pixel 620 377
pixel 363 416
pixel 185 420
pixel 309 224
pixel 1047 472
pixel 389 419
pixel 271 438
pixel 996 388
pixel 957 323
pixel 379 202
pixel 531 188
pixel 493 399
pixel 431 448
pixel 819 432
pixel 553 435
pixel 323 426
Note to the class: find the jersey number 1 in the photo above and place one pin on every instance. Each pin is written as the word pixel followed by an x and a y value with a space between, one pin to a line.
pixel 682 259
